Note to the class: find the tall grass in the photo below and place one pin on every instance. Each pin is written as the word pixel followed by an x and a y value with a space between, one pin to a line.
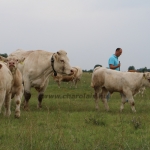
pixel 74 124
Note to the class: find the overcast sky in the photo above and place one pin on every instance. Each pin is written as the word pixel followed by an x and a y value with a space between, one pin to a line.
pixel 89 30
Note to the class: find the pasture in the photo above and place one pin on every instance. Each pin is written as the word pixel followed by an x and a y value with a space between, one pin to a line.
pixel 68 121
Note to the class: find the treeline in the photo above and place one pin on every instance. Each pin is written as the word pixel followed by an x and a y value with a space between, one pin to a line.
pixel 4 55
pixel 139 70
pixel 144 69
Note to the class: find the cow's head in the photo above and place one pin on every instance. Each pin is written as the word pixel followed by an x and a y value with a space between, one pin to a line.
pixel 61 63
pixel 12 62
pixel 146 77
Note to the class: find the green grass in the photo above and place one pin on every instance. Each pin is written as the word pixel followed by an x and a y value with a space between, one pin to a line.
pixel 74 124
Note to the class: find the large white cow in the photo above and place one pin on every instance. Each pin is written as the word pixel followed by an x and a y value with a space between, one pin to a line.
pixel 6 80
pixel 127 83
pixel 36 70
pixel 74 78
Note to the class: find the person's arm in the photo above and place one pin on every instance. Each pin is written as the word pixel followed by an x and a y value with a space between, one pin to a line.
pixel 114 67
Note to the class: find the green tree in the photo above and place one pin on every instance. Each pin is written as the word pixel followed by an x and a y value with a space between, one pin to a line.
pixel 131 68
pixel 4 55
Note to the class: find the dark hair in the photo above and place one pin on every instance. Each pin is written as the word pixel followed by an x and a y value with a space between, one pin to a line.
pixel 118 49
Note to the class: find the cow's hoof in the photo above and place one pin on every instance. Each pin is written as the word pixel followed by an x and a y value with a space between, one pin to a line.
pixel 17 115
pixel 39 106
pixel 26 108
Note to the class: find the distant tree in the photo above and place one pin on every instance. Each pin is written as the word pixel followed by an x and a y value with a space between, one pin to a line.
pixel 131 68
pixel 91 70
pixel 145 69
pixel 4 55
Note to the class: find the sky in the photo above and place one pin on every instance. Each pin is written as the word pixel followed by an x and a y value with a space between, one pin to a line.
pixel 88 30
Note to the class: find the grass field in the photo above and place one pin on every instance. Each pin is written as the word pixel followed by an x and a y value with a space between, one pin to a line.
pixel 68 121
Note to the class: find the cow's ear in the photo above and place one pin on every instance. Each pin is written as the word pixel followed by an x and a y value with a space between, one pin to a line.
pixel 144 75
pixel 21 60
pixel 3 59
pixel 58 53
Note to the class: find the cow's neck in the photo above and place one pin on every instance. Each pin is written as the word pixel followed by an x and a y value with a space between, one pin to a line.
pixel 52 64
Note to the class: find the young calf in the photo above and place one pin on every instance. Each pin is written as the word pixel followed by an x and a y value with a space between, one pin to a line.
pixel 74 78
pixel 17 86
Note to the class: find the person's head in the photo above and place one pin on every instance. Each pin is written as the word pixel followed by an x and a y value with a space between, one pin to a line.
pixel 118 52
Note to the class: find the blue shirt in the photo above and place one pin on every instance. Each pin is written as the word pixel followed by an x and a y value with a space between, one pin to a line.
pixel 114 61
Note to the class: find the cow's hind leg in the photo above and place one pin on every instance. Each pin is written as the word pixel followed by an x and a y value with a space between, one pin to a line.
pixel 41 94
pixel 104 98
pixel 96 97
pixel 27 96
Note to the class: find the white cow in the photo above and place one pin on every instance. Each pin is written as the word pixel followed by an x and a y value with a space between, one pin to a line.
pixel 6 80
pixel 17 86
pixel 127 83
pixel 36 70
pixel 74 78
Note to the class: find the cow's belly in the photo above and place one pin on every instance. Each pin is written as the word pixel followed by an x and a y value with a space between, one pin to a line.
pixel 39 83
pixel 36 83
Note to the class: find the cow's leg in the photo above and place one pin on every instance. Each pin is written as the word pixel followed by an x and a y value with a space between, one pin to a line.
pixel 2 98
pixel 104 98
pixel 71 83
pixel 131 101
pixel 58 83
pixel 75 83
pixel 96 97
pixel 41 94
pixel 27 94
pixel 7 104
pixel 17 99
pixel 123 101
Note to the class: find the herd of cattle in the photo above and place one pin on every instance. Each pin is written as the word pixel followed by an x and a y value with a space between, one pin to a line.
pixel 22 70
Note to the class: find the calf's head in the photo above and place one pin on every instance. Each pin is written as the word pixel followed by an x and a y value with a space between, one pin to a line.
pixel 12 62
pixel 61 63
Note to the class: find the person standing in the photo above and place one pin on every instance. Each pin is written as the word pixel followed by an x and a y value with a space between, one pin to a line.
pixel 113 62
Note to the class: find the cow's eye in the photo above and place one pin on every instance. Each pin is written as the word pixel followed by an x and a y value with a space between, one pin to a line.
pixel 62 61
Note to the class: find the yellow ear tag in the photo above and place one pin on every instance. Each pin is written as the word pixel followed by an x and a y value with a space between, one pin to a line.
pixel 21 62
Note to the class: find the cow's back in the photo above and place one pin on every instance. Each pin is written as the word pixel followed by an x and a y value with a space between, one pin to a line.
pixel 37 62
pixel 19 53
